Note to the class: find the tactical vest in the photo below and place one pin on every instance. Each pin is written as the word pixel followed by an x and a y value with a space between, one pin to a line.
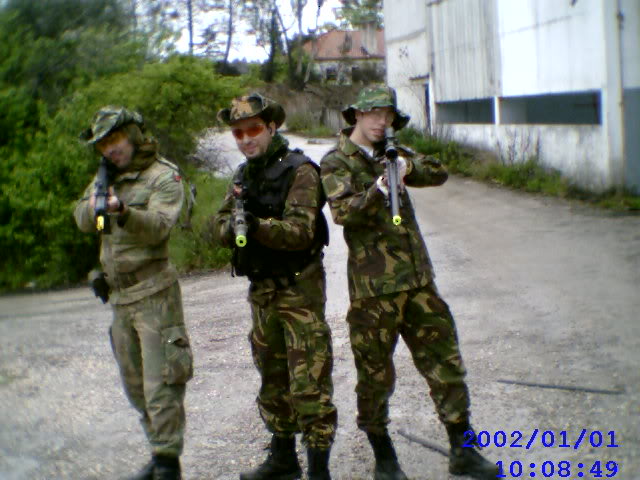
pixel 265 197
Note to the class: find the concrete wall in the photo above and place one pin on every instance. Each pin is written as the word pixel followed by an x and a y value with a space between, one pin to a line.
pixel 631 43
pixel 499 52
pixel 576 151
pixel 549 46
pixel 463 42
pixel 632 138
pixel 407 58
pixel 630 48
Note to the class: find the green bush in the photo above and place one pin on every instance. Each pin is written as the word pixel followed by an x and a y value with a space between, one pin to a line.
pixel 300 121
pixel 427 145
pixel 449 153
pixel 305 123
pixel 178 98
pixel 189 248
pixel 529 176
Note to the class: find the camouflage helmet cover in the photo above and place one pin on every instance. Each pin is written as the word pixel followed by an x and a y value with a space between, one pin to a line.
pixel 250 106
pixel 107 119
pixel 376 97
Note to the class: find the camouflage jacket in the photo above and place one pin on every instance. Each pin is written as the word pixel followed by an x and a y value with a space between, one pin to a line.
pixel 135 255
pixel 383 258
pixel 293 232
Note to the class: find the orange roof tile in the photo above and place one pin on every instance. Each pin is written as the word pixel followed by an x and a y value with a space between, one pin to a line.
pixel 345 44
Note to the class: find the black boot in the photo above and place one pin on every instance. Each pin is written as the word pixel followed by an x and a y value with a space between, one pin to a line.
pixel 387 466
pixel 146 473
pixel 465 460
pixel 167 468
pixel 281 463
pixel 318 461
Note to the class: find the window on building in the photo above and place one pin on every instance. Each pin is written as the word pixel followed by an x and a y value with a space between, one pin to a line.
pixel 465 111
pixel 564 108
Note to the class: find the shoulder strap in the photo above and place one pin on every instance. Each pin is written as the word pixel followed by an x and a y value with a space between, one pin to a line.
pixel 238 175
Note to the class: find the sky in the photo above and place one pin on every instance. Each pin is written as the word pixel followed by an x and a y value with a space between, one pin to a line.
pixel 245 46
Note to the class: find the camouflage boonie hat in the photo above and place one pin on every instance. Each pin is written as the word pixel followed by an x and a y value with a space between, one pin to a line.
pixel 250 106
pixel 108 119
pixel 374 97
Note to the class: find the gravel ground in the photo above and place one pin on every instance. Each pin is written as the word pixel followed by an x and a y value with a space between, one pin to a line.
pixel 542 290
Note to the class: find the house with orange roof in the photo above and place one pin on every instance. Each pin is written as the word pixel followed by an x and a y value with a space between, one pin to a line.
pixel 344 57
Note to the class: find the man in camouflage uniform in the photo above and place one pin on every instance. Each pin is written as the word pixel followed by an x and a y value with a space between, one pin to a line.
pixel 148 333
pixel 391 283
pixel 282 199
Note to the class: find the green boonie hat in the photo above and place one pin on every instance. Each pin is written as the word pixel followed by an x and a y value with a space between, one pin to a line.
pixel 374 97
pixel 250 106
pixel 108 119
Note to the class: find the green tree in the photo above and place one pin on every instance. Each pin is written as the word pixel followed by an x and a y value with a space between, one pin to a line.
pixel 217 37
pixel 53 46
pixel 359 13
pixel 178 98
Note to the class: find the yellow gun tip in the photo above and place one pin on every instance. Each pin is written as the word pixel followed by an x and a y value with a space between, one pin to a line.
pixel 397 220
pixel 100 223
pixel 241 240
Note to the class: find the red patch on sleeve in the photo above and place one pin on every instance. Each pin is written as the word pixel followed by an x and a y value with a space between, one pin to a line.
pixel 177 178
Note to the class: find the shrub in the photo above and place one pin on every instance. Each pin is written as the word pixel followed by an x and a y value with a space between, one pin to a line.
pixel 300 121
pixel 188 248
pixel 306 123
pixel 178 98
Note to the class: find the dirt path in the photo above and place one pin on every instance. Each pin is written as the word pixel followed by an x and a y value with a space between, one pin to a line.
pixel 542 291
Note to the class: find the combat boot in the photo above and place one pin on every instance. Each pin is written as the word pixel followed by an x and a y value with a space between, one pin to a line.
pixel 464 460
pixel 281 463
pixel 387 466
pixel 318 461
pixel 146 473
pixel 167 468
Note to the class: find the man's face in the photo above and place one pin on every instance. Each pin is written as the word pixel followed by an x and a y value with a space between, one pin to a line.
pixel 253 136
pixel 117 148
pixel 372 124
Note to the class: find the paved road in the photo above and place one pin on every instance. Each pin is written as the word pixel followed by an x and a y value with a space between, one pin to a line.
pixel 543 291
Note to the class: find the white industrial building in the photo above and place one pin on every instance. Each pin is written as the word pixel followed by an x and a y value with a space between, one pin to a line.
pixel 559 79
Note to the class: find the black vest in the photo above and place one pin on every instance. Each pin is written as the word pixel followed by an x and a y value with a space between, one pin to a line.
pixel 265 197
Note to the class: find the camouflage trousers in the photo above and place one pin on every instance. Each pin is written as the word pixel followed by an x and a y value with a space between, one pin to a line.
pixel 425 323
pixel 151 347
pixel 291 347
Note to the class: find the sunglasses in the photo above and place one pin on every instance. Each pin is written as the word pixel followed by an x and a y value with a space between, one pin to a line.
pixel 252 131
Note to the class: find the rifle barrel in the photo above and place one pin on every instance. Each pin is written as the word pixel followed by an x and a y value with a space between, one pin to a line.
pixel 391 152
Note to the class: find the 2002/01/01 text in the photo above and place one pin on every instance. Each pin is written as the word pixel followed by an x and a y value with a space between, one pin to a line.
pixel 547 438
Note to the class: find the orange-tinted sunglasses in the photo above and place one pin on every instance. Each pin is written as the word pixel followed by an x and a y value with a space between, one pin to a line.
pixel 252 131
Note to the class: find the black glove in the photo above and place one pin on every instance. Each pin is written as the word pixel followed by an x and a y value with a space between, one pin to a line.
pixel 99 285
pixel 252 222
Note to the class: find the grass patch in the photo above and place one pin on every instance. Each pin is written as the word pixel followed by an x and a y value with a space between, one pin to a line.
pixel 306 124
pixel 188 248
pixel 529 176
pixel 319 131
